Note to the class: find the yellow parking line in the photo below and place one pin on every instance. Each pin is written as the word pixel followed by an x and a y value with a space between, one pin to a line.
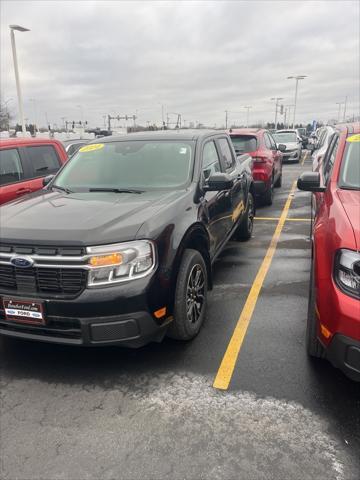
pixel 304 157
pixel 287 219
pixel 226 369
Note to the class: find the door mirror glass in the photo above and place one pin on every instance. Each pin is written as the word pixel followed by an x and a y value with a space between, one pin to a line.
pixel 281 147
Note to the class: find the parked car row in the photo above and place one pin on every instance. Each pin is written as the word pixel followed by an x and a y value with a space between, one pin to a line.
pixel 333 324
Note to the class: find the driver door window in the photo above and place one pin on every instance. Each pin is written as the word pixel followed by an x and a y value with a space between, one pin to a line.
pixel 329 159
pixel 210 161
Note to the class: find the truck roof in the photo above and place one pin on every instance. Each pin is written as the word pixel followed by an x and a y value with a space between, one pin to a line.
pixel 160 135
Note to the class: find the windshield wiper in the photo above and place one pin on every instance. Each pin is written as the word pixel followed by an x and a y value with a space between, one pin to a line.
pixel 63 189
pixel 116 190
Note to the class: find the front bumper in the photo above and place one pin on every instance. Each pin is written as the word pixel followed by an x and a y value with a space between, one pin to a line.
pixel 291 156
pixel 344 353
pixel 115 315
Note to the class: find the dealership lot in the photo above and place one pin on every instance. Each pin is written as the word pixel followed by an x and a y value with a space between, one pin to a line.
pixel 154 412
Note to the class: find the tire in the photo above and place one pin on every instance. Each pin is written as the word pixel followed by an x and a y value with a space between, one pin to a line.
pixel 278 182
pixel 313 346
pixel 245 228
pixel 190 297
pixel 268 196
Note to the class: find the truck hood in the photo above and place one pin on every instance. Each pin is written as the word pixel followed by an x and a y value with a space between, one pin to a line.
pixel 49 217
pixel 350 200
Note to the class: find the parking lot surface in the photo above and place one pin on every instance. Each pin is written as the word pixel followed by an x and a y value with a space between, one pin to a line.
pixel 168 410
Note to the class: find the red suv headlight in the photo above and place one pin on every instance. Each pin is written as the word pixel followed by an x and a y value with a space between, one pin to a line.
pixel 347 272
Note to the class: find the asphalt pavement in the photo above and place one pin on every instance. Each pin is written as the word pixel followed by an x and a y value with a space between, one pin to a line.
pixel 154 413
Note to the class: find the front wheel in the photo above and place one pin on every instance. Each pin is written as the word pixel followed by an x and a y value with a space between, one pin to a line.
pixel 190 297
pixel 245 228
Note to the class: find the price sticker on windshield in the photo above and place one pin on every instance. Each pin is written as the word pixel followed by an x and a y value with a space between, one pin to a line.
pixel 354 138
pixel 92 148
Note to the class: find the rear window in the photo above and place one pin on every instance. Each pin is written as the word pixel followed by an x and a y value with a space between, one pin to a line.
pixel 350 167
pixel 10 166
pixel 244 143
pixel 44 160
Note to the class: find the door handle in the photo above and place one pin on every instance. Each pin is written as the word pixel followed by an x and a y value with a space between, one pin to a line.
pixel 22 191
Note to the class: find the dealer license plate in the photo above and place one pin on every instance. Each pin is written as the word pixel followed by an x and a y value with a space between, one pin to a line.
pixel 24 311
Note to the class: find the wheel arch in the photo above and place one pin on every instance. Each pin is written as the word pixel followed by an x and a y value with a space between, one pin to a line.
pixel 196 238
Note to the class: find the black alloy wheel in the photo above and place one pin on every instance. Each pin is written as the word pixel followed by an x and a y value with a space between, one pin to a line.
pixel 195 293
pixel 190 296
pixel 245 228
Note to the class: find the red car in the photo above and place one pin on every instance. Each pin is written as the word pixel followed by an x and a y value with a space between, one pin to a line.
pixel 267 159
pixel 333 326
pixel 24 162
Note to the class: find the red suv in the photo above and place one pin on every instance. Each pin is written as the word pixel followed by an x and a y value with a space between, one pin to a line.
pixel 333 325
pixel 24 162
pixel 267 159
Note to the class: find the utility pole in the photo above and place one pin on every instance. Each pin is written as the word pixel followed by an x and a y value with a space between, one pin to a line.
pixel 226 119
pixel 276 108
pixel 119 117
pixel 296 78
pixel 344 118
pixel 247 107
pixel 339 111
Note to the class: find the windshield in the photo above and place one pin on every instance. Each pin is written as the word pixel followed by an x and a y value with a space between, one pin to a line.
pixel 139 164
pixel 244 143
pixel 285 137
pixel 350 167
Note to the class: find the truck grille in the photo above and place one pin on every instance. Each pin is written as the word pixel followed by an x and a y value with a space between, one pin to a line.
pixel 67 281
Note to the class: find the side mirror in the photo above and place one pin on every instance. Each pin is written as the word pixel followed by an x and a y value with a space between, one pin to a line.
pixel 218 182
pixel 310 182
pixel 281 147
pixel 47 180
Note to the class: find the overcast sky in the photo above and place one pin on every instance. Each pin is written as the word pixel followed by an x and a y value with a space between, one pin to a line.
pixel 197 58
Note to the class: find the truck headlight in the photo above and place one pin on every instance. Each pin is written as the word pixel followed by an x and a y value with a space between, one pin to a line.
pixel 109 264
pixel 347 272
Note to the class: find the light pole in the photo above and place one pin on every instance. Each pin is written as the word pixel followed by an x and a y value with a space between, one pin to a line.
pixel 339 112
pixel 276 108
pixel 344 119
pixel 287 115
pixel 247 107
pixel 16 68
pixel 33 100
pixel 297 78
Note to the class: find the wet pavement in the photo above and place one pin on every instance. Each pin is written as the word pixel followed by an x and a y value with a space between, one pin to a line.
pixel 111 413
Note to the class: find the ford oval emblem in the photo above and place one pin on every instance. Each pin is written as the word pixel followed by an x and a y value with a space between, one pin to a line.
pixel 22 262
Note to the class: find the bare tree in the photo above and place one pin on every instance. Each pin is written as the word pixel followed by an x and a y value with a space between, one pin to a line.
pixel 5 117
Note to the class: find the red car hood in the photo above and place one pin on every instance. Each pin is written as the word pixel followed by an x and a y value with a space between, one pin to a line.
pixel 350 200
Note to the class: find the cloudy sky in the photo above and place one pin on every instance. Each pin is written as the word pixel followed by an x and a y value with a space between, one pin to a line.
pixel 198 58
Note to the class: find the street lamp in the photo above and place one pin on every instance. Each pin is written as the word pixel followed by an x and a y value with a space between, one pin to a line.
pixel 339 112
pixel 33 100
pixel 276 108
pixel 16 68
pixel 297 78
pixel 247 107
